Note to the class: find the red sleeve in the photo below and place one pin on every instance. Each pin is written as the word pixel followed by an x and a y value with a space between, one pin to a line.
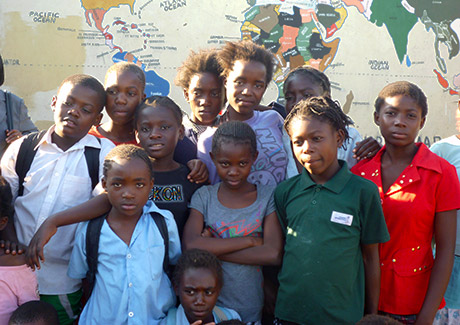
pixel 448 191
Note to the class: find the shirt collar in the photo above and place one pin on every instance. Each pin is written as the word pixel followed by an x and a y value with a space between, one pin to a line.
pixel 87 141
pixel 336 184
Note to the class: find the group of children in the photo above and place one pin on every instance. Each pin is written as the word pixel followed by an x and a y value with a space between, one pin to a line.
pixel 281 192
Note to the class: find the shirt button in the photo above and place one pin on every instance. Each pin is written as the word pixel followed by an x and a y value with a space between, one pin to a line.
pixel 402 182
pixel 363 173
pixel 130 314
pixel 130 284
pixel 128 256
pixel 313 202
pixel 318 189
pixel 394 260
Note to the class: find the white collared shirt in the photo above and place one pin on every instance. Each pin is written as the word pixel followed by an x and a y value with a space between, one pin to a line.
pixel 57 180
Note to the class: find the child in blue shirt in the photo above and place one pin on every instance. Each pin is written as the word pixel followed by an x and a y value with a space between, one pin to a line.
pixel 130 280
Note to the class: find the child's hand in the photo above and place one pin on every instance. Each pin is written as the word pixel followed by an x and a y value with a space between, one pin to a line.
pixel 206 233
pixel 257 241
pixel 12 135
pixel 12 248
pixel 34 253
pixel 198 171
pixel 367 148
pixel 199 322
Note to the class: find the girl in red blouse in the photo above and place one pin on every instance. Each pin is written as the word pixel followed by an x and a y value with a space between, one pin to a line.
pixel 420 195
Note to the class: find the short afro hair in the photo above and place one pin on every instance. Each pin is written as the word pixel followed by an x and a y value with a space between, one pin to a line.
pixel 197 259
pixel 34 311
pixel 122 67
pixel 404 88
pixel 90 82
pixel 312 74
pixel 198 62
pixel 128 152
pixel 6 199
pixel 246 51
pixel 235 132
pixel 156 101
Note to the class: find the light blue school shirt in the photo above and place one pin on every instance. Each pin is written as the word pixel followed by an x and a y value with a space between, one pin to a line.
pixel 131 286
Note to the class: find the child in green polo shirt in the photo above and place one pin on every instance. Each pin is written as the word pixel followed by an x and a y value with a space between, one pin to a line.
pixel 332 221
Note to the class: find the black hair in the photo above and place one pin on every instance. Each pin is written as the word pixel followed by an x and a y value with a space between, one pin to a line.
pixel 232 322
pixel 6 199
pixel 195 259
pixel 246 51
pixel 128 152
pixel 373 319
pixel 156 101
pixel 90 82
pixel 314 75
pixel 322 108
pixel 34 311
pixel 402 88
pixel 198 62
pixel 236 132
pixel 122 67
pixel 2 71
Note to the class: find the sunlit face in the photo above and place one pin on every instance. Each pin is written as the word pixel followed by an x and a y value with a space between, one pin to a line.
pixel 124 92
pixel 198 292
pixel 399 119
pixel 315 145
pixel 204 95
pixel 300 87
pixel 245 86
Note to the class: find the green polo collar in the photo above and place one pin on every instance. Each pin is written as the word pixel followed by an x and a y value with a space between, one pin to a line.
pixel 336 184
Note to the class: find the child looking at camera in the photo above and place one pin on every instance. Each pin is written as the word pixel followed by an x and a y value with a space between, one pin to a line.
pixel 332 222
pixel 198 279
pixel 419 192
pixel 18 283
pixel 236 221
pixel 130 280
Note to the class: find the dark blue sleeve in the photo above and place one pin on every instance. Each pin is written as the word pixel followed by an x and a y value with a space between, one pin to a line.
pixel 185 151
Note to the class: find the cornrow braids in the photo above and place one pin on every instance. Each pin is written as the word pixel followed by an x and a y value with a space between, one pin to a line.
pixel 314 75
pixel 195 259
pixel 246 51
pixel 197 62
pixel 324 109
pixel 402 88
pixel 156 101
pixel 128 152
pixel 6 199
pixel 236 132
pixel 122 67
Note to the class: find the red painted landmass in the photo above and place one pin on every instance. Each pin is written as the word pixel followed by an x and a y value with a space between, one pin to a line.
pixel 330 31
pixel 133 26
pixel 98 17
pixel 442 81
pixel 119 22
pixel 453 92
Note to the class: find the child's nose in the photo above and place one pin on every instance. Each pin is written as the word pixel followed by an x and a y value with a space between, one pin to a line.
pixel 199 299
pixel 121 97
pixel 204 101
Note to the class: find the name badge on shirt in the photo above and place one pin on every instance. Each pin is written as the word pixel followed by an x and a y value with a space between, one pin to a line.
pixel 342 218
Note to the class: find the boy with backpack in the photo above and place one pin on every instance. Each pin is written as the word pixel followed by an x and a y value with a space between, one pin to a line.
pixel 52 171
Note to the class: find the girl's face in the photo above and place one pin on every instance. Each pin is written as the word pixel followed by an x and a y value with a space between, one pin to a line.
pixel 400 119
pixel 124 93
pixel 158 131
pixel 233 163
pixel 128 184
pixel 315 145
pixel 300 87
pixel 205 97
pixel 245 86
pixel 198 292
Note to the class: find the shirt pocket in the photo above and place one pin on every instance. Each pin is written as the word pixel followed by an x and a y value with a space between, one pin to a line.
pixel 156 257
pixel 414 260
pixel 75 190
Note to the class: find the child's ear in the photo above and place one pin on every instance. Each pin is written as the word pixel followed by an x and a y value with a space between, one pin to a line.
pixel 256 154
pixel 340 138
pixel 98 119
pixel 181 132
pixel 187 98
pixel 144 96
pixel 3 222
pixel 152 182
pixel 104 183
pixel 136 135
pixel 377 118
pixel 422 123
pixel 212 156
pixel 53 103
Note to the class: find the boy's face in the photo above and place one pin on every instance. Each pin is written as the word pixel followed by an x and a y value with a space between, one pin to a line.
pixel 245 86
pixel 128 184
pixel 400 119
pixel 315 145
pixel 300 87
pixel 124 92
pixel 204 95
pixel 198 292
pixel 76 108
pixel 158 131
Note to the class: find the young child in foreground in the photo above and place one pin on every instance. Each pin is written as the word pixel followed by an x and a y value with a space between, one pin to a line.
pixel 130 283
pixel 305 82
pixel 18 283
pixel 247 71
pixel 420 194
pixel 236 221
pixel 59 178
pixel 332 222
pixel 449 149
pixel 198 279
pixel 34 313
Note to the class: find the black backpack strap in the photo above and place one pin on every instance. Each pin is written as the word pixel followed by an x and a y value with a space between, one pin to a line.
pixel 93 233
pixel 161 224
pixel 25 157
pixel 92 161
pixel 9 111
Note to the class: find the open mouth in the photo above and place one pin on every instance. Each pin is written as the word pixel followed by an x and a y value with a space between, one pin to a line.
pixel 69 122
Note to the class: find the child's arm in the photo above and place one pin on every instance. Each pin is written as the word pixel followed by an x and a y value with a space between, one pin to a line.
pixel 269 253
pixel 86 211
pixel 198 171
pixel 372 277
pixel 445 226
pixel 366 148
pixel 218 246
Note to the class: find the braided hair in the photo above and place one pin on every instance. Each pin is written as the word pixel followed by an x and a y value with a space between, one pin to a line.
pixel 236 132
